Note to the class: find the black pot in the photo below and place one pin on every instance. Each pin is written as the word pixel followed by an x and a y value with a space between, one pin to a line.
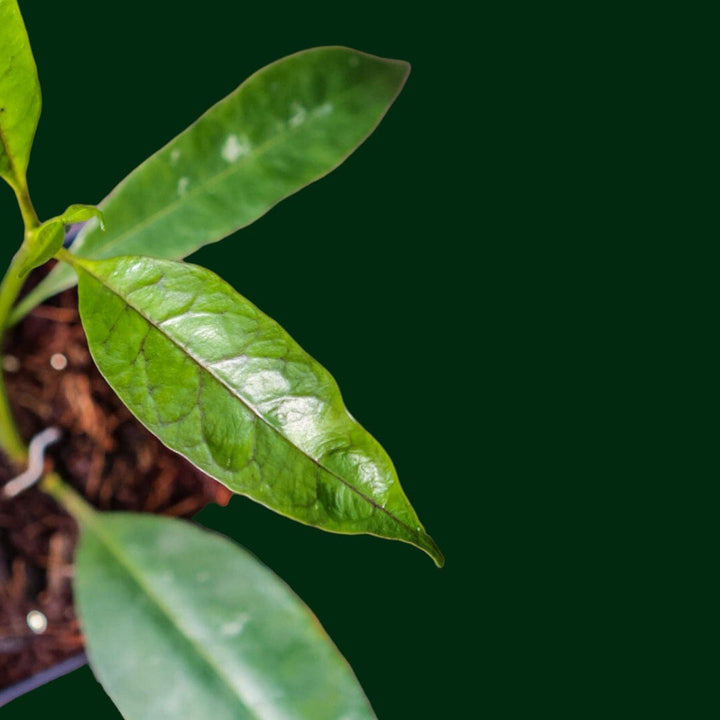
pixel 12 692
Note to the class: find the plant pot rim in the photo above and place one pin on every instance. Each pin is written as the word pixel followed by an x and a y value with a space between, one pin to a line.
pixel 28 684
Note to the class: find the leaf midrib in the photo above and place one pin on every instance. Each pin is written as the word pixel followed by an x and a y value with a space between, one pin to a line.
pixel 233 391
pixel 136 575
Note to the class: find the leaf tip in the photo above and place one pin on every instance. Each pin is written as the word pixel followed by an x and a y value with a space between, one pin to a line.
pixel 401 68
pixel 430 547
pixel 435 553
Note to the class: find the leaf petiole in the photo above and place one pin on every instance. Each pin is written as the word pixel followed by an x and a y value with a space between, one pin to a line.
pixel 29 216
pixel 53 485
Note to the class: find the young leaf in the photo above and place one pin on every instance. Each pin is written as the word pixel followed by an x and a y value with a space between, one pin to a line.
pixel 224 385
pixel 42 243
pixel 182 623
pixel 288 125
pixel 82 213
pixel 19 95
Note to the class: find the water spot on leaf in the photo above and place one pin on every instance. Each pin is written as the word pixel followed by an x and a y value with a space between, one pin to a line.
pixel 174 156
pixel 299 113
pixel 325 109
pixel 235 148
pixel 235 627
pixel 183 183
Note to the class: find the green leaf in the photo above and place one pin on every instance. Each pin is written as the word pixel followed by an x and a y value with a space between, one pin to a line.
pixel 182 623
pixel 43 242
pixel 288 125
pixel 224 385
pixel 19 95
pixel 82 213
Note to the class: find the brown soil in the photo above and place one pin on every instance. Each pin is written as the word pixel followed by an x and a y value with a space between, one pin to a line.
pixel 104 452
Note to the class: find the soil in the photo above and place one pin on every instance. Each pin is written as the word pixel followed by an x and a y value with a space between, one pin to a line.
pixel 104 453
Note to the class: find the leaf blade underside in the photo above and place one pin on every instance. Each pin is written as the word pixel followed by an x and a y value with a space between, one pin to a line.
pixel 225 386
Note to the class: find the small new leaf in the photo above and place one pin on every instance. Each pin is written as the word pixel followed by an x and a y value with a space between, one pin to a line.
pixel 40 245
pixel 83 213
pixel 44 242
pixel 224 385
pixel 19 96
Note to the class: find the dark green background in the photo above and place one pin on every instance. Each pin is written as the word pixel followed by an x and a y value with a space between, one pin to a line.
pixel 376 270
pixel 475 277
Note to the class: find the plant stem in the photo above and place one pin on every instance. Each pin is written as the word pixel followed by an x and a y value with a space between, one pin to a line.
pixel 29 216
pixel 53 485
pixel 9 288
pixel 10 440
pixel 66 256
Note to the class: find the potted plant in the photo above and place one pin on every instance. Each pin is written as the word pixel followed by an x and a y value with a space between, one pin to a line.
pixel 214 381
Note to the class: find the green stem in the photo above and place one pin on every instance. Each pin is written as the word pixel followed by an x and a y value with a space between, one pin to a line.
pixel 10 440
pixel 29 216
pixel 53 485
pixel 9 288
pixel 65 256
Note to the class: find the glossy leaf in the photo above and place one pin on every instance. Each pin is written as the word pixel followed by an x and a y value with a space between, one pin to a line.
pixel 182 623
pixel 42 243
pixel 286 126
pixel 224 385
pixel 19 95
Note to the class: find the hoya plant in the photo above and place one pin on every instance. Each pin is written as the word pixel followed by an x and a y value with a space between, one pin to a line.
pixel 178 621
